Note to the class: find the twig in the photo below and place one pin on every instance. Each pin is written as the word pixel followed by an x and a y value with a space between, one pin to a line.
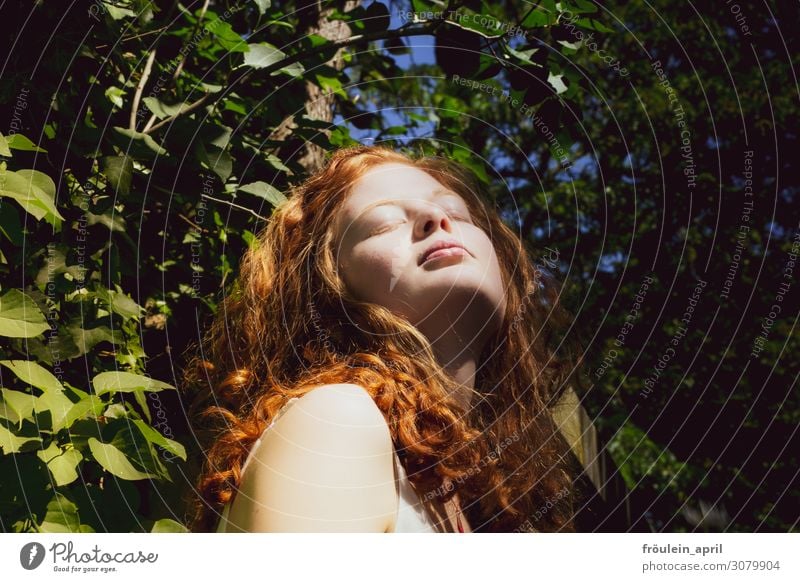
pixel 140 87
pixel 127 38
pixel 183 111
pixel 190 223
pixel 253 212
pixel 179 68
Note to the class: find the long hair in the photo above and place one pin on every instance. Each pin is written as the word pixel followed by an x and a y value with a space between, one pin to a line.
pixel 290 325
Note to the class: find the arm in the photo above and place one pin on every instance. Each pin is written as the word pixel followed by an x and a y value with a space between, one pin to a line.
pixel 326 465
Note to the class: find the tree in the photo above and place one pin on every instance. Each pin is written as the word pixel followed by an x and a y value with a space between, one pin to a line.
pixel 146 142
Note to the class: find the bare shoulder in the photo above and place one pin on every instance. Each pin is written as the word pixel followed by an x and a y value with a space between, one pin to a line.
pixel 325 465
pixel 341 406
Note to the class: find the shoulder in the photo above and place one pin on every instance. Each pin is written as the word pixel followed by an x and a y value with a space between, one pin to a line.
pixel 336 405
pixel 327 464
pixel 337 415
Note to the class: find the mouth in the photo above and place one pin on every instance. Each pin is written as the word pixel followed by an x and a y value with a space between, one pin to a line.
pixel 440 249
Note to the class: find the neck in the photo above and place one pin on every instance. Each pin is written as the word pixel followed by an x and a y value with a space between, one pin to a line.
pixel 459 359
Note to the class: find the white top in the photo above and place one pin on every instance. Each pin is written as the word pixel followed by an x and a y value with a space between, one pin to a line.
pixel 412 517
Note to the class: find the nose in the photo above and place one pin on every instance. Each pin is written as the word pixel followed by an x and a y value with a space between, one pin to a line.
pixel 431 218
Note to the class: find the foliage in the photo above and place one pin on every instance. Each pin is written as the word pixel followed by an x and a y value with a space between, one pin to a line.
pixel 142 156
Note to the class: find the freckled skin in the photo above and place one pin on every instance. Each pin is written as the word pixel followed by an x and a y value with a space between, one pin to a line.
pixel 378 249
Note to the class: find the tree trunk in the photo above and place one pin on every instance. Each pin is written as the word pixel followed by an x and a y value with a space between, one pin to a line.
pixel 318 106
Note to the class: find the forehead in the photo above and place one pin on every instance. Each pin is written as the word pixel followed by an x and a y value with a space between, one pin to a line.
pixel 391 181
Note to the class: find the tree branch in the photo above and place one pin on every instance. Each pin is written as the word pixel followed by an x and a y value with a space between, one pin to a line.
pixel 203 10
pixel 234 205
pixel 179 68
pixel 404 31
pixel 183 111
pixel 140 87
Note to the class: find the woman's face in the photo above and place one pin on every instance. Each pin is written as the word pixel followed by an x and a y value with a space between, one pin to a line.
pixel 391 217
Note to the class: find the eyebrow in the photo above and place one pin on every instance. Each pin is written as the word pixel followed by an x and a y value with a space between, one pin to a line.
pixel 439 192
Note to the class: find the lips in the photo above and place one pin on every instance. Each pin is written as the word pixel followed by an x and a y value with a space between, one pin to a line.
pixel 439 245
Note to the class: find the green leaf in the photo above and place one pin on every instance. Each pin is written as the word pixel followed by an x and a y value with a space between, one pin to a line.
pixel 43 187
pixel 225 35
pixel 593 24
pixel 215 134
pixel 215 159
pixel 62 517
pixel 55 404
pixel 114 94
pixel 11 443
pixel 119 171
pixel 276 163
pixel 263 5
pixel 138 450
pixel 57 343
pixel 4 149
pixel 61 463
pixel 90 405
pixel 117 12
pixel 540 17
pixel 87 338
pixel 423 5
pixel 263 54
pixel 523 56
pixel 115 462
pixel 571 47
pixel 162 110
pixel 235 106
pixel 167 525
pixel 557 82
pixel 116 410
pixel 143 137
pixel 56 264
pixel 34 190
pixel 463 156
pixel 20 316
pixel 119 302
pixel 264 191
pixel 330 83
pixel 155 437
pixel 16 406
pixel 33 374
pixel 23 144
pixel 577 6
pixel 126 382
pixel 141 400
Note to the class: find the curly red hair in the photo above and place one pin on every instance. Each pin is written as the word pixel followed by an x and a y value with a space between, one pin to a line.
pixel 504 457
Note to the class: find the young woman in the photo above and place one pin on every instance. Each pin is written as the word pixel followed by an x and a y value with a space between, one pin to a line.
pixel 382 365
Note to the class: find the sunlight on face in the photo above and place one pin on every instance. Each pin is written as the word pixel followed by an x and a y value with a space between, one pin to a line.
pixel 391 217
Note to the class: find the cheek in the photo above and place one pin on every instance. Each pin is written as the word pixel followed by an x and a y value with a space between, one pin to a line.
pixel 372 261
pixel 493 275
pixel 488 255
pixel 373 271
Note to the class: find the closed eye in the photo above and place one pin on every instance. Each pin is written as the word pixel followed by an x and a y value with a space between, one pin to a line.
pixel 456 216
pixel 386 227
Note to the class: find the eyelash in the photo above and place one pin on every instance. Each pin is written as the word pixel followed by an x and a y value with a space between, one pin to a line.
pixel 384 228
pixel 387 227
